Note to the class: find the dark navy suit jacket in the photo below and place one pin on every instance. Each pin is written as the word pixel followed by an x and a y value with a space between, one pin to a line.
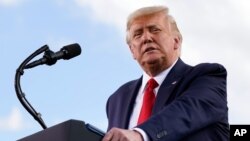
pixel 191 105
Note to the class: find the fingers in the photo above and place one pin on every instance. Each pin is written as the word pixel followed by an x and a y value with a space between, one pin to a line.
pixel 108 136
pixel 116 134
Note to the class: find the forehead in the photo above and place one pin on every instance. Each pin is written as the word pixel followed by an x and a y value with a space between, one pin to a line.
pixel 158 19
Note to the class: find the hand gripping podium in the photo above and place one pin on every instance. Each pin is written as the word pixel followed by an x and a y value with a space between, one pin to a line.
pixel 71 130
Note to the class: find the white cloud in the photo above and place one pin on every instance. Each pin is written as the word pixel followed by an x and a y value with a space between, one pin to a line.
pixel 243 7
pixel 114 12
pixel 12 122
pixel 9 3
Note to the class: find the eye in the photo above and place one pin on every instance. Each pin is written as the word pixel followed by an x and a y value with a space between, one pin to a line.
pixel 137 34
pixel 154 29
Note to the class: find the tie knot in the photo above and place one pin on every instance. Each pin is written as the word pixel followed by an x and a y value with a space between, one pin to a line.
pixel 152 83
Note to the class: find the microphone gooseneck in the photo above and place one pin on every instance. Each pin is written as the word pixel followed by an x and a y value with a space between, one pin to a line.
pixel 49 58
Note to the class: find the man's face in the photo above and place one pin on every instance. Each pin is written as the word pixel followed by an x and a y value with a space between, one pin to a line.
pixel 152 42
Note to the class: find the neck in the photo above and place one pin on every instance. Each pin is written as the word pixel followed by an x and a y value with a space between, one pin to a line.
pixel 155 69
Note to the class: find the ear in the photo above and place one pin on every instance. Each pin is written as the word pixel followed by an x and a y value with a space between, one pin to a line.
pixel 177 42
pixel 132 51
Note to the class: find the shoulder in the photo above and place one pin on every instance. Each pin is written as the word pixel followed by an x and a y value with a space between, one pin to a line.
pixel 128 84
pixel 126 88
pixel 203 73
pixel 209 68
pixel 182 69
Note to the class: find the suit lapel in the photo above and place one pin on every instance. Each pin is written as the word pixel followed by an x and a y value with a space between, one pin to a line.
pixel 129 101
pixel 169 84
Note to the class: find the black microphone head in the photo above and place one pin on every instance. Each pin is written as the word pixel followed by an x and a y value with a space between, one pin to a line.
pixel 71 51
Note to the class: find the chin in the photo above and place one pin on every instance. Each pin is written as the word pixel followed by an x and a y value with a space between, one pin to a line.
pixel 153 61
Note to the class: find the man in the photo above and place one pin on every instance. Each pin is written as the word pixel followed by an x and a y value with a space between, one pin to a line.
pixel 189 103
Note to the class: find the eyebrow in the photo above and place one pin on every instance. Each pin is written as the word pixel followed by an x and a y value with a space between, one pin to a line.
pixel 139 29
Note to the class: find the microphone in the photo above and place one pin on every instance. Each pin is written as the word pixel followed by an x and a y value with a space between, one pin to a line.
pixel 50 58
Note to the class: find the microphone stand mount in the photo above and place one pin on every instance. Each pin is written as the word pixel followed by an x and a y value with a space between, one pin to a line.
pixel 20 95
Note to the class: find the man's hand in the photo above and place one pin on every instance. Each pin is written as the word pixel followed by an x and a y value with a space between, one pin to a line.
pixel 117 134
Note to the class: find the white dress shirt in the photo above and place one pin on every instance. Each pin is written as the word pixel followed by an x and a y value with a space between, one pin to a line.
pixel 139 99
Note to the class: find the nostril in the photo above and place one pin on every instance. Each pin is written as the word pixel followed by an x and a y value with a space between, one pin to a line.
pixel 147 41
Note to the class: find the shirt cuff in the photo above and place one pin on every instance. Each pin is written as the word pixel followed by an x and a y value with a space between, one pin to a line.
pixel 143 134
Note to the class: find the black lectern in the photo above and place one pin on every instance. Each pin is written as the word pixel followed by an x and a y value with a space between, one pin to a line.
pixel 71 130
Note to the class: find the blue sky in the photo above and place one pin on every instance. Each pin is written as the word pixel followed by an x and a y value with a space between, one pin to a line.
pixel 213 31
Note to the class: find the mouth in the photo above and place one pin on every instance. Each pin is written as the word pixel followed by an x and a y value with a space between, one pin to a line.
pixel 149 49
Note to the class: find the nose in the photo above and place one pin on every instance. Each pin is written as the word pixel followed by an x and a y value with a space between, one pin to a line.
pixel 146 37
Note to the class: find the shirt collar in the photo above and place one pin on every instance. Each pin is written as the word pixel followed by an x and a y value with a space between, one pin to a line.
pixel 158 78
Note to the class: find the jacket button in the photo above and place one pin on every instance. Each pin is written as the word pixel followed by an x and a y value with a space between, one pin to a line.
pixel 161 134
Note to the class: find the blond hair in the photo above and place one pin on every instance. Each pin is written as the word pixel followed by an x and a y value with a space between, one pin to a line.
pixel 145 11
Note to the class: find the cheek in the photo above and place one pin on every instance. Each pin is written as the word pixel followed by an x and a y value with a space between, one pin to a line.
pixel 167 44
pixel 134 52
